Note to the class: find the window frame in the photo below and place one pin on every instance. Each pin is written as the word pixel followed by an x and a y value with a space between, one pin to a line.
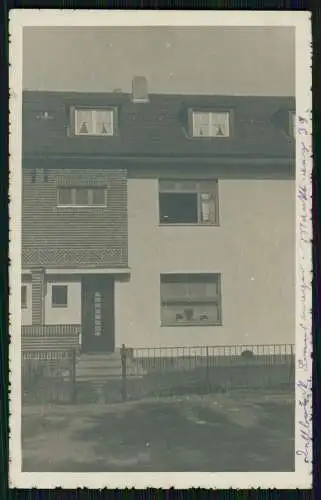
pixel 209 111
pixel 24 303
pixel 94 109
pixel 214 191
pixel 194 301
pixel 55 305
pixel 89 189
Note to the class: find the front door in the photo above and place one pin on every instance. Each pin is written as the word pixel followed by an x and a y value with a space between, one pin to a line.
pixel 98 314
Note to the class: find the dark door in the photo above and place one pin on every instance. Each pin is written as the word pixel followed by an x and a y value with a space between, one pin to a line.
pixel 98 314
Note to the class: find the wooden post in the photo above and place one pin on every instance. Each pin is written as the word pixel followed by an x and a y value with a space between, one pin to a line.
pixel 38 296
pixel 123 355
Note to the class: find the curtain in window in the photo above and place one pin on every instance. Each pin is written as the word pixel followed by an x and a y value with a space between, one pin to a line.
pixel 98 196
pixel 207 207
pixel 219 124
pixel 64 196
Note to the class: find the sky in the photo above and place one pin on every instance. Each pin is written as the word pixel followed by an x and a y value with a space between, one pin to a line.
pixel 207 60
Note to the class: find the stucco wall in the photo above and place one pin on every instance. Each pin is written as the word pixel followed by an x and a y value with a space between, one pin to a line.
pixel 26 312
pixel 253 249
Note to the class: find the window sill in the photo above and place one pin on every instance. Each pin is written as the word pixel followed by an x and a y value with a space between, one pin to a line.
pixel 208 137
pixel 81 206
pixel 188 224
pixel 59 306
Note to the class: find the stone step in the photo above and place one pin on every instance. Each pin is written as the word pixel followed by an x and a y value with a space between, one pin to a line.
pixel 100 379
pixel 105 391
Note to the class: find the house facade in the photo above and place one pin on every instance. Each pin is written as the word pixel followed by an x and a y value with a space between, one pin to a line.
pixel 158 220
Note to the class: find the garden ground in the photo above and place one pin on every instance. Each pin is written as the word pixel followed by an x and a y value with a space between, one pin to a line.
pixel 241 431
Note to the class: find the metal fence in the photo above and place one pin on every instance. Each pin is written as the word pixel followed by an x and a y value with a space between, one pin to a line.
pixel 48 376
pixel 204 369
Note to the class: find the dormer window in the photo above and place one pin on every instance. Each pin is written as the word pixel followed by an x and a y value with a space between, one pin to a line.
pixel 210 123
pixel 94 122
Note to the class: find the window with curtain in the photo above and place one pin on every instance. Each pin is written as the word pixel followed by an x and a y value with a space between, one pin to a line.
pixel 94 122
pixel 210 124
pixel 188 202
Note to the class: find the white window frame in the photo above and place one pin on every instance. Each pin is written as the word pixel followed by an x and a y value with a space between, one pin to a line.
pixel 94 112
pixel 90 197
pixel 199 191
pixel 210 114
pixel 59 306
pixel 193 301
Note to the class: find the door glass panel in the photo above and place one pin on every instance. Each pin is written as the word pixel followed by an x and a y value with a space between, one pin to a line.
pixel 97 314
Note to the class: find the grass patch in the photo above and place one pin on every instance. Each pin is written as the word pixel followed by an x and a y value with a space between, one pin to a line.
pixel 227 432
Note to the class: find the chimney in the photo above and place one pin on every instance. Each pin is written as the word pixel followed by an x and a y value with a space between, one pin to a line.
pixel 140 91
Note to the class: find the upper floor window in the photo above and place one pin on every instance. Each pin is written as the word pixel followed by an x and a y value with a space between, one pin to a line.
pixel 82 197
pixel 98 122
pixel 59 296
pixel 188 202
pixel 292 126
pixel 210 124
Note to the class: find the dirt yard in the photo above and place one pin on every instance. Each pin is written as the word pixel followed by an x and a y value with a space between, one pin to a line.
pixel 240 432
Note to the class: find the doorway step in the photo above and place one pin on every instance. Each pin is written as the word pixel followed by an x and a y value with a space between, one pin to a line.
pixel 97 367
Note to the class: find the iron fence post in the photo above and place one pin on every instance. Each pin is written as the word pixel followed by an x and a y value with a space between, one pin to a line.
pixel 208 382
pixel 123 372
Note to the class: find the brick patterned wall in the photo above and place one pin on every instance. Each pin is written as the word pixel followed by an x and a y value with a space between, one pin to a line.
pixel 49 338
pixel 38 293
pixel 74 237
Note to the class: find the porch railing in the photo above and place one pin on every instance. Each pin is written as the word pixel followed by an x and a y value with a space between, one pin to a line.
pixel 208 368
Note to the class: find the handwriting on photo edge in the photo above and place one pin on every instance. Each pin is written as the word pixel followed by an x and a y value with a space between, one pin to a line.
pixel 304 387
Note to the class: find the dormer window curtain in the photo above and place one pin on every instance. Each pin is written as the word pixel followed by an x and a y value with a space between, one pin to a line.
pixel 209 123
pixel 94 122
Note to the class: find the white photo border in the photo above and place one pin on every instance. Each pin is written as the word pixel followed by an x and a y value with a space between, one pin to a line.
pixel 301 21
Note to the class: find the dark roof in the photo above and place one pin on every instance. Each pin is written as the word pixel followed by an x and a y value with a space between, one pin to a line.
pixel 259 126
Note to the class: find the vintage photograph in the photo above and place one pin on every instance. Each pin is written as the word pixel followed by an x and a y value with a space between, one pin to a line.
pixel 157 287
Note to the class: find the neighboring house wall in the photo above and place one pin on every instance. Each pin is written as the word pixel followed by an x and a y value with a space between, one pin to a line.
pixel 253 249
pixel 69 315
pixel 73 237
